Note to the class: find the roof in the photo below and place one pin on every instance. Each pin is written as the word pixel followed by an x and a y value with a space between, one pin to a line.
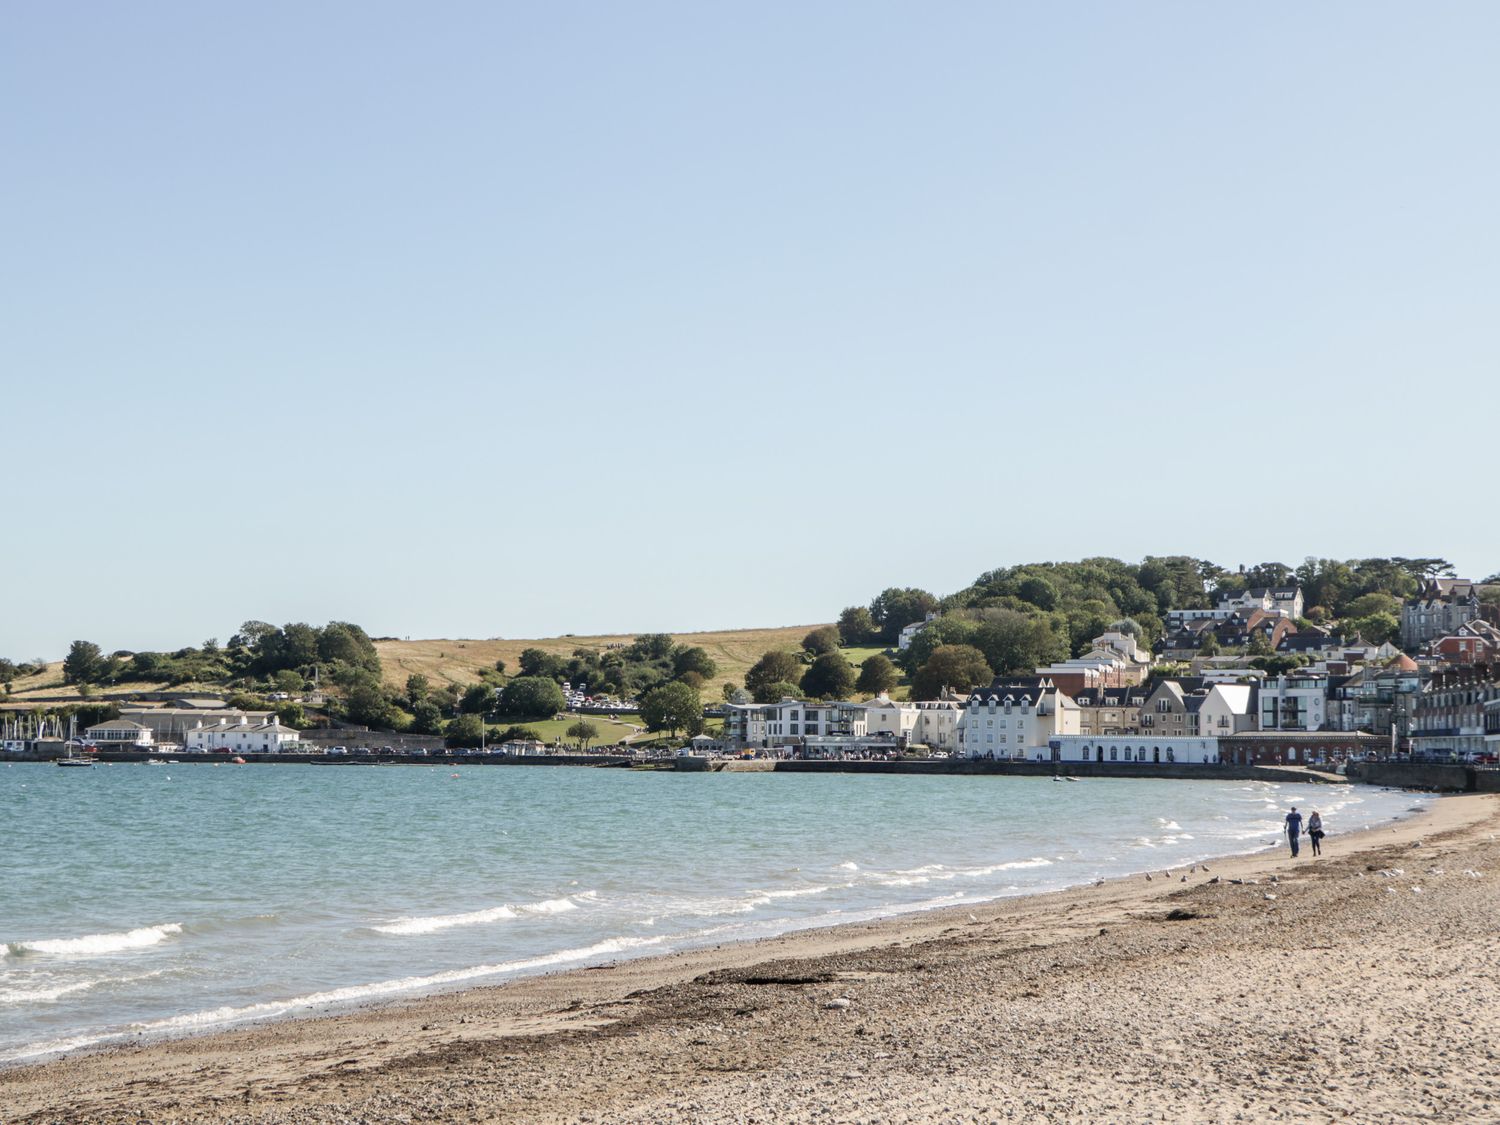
pixel 117 724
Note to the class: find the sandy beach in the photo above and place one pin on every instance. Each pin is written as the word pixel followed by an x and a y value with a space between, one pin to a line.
pixel 1357 986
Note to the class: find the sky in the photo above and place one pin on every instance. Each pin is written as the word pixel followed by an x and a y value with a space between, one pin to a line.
pixel 485 319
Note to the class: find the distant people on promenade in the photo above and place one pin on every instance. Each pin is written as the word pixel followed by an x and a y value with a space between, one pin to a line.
pixel 1293 829
pixel 1315 832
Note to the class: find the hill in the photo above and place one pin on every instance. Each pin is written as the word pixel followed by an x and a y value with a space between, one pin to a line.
pixel 461 660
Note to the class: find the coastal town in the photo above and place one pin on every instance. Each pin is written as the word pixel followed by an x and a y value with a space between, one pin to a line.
pixel 1247 680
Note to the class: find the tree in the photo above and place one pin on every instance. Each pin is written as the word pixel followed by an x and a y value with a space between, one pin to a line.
pixel 342 640
pixel 583 732
pixel 694 659
pixel 1210 645
pixel 83 663
pixel 829 677
pixel 288 681
pixel 426 718
pixel 1277 665
pixel 417 687
pixel 291 714
pixel 895 608
pixel 856 626
pixel 1015 642
pixel 514 733
pixel 877 674
pixel 1375 602
pixel 672 707
pixel 1039 592
pixel 466 730
pixel 956 667
pixel 1259 645
pixel 478 699
pixel 822 640
pixel 533 662
pixel 1377 628
pixel 367 704
pixel 773 667
pixel 652 646
pixel 949 629
pixel 500 667
pixel 775 692
pixel 1266 574
pixel 531 697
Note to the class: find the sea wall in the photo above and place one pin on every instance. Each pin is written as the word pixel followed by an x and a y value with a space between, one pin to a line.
pixel 970 767
pixel 1437 776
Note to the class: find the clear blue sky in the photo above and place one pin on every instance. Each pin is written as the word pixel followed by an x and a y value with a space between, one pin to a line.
pixel 475 319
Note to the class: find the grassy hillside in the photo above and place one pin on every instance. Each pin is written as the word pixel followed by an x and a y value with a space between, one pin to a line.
pixel 459 661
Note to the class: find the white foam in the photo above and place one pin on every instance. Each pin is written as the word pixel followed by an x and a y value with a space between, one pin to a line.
pixel 96 945
pixel 218 1017
pixel 45 993
pixel 434 923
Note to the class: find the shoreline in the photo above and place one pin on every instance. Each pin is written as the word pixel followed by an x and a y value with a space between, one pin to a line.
pixel 315 1004
pixel 545 1032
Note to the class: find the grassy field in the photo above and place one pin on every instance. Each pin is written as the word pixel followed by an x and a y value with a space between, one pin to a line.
pixel 460 661
pixel 610 730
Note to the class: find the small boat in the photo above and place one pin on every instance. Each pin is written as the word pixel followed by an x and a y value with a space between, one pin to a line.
pixel 78 763
pixel 237 760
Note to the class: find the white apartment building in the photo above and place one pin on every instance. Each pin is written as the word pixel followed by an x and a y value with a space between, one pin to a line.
pixel 791 721
pixel 1294 702
pixel 932 723
pixel 243 737
pixel 1016 718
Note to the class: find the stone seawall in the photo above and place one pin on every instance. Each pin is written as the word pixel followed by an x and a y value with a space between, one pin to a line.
pixel 1438 776
pixel 973 767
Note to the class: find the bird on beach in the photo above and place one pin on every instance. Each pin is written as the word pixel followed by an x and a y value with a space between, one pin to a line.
pixel 1148 876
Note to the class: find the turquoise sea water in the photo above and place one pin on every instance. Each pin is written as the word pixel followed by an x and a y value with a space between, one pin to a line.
pixel 146 900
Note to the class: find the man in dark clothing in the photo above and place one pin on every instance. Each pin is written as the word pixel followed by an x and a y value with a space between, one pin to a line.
pixel 1293 828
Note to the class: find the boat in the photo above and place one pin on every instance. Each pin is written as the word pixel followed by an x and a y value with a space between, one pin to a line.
pixel 77 763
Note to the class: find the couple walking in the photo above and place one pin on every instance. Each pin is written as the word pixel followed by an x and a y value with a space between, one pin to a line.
pixel 1314 830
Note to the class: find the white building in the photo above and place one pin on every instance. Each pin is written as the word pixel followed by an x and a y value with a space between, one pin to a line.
pixel 243 737
pixel 1016 718
pixel 1140 749
pixel 1279 601
pixel 909 632
pixel 1226 709
pixel 790 721
pixel 172 724
pixel 932 723
pixel 1294 702
pixel 119 734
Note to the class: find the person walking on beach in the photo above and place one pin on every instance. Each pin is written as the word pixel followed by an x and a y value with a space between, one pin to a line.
pixel 1315 832
pixel 1293 829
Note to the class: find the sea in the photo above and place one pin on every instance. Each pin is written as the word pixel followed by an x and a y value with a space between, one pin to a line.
pixel 145 901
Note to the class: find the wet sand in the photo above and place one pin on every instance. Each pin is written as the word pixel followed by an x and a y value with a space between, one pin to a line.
pixel 1359 986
